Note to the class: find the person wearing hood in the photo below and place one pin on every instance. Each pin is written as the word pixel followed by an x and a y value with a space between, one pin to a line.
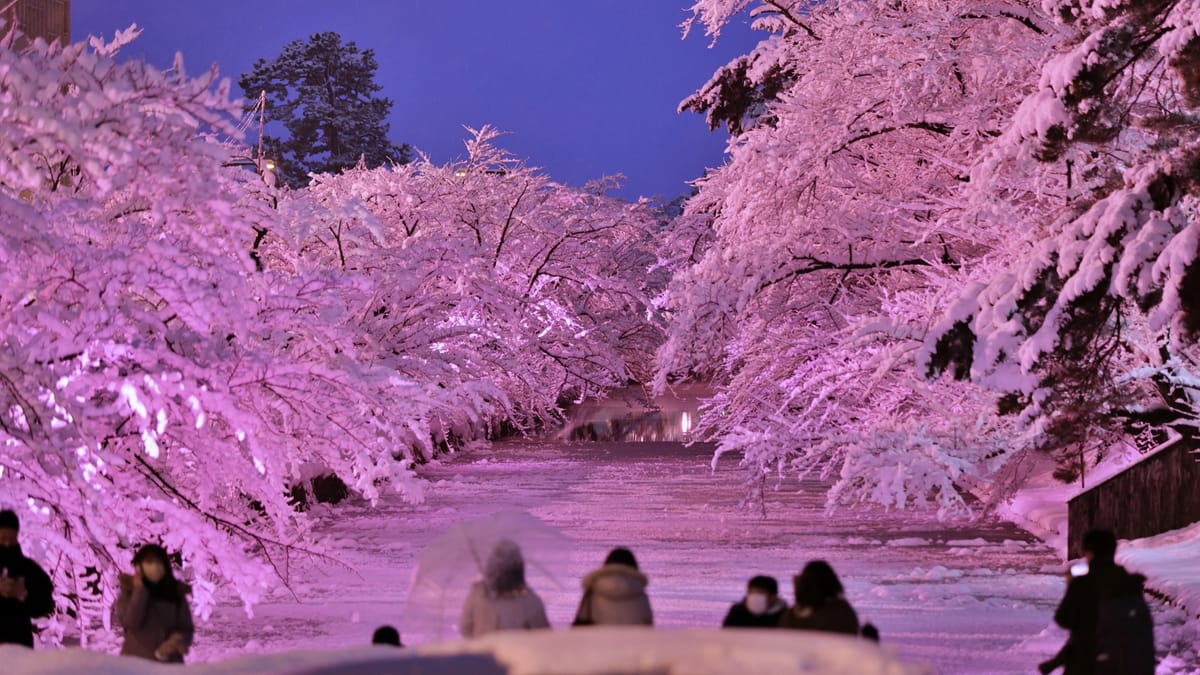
pixel 502 600
pixel 761 608
pixel 153 609
pixel 26 591
pixel 820 602
pixel 615 594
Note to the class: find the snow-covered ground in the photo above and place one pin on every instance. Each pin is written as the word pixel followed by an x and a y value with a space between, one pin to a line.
pixel 962 598
pixel 965 599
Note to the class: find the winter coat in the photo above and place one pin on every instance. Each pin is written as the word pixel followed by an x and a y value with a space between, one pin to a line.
pixel 16 625
pixel 484 611
pixel 1080 613
pixel 149 619
pixel 615 595
pixel 835 616
pixel 740 617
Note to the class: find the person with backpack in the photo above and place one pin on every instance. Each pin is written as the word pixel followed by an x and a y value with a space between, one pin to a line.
pixel 1112 632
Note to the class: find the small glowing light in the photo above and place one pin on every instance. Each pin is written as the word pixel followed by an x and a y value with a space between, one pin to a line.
pixel 685 423
pixel 151 444
pixel 460 172
pixel 270 165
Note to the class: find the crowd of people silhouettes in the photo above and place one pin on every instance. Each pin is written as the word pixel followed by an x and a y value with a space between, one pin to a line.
pixel 615 595
pixel 1104 609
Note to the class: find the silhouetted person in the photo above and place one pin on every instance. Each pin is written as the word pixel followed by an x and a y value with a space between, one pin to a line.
pixel 615 594
pixel 153 609
pixel 502 600
pixel 761 608
pixel 1110 624
pixel 820 602
pixel 26 591
pixel 386 635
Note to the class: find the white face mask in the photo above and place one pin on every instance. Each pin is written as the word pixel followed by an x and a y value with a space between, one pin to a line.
pixel 756 603
pixel 153 571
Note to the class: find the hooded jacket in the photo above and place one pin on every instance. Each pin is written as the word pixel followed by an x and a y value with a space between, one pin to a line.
pixel 615 595
pixel 16 626
pixel 484 612
pixel 150 618
pixel 502 600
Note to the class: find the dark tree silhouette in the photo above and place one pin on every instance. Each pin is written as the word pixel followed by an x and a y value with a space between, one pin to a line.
pixel 324 93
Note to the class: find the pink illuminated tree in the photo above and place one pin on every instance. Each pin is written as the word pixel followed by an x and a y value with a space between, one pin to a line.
pixel 185 346
pixel 1087 325
pixel 838 223
pixel 126 301
pixel 488 279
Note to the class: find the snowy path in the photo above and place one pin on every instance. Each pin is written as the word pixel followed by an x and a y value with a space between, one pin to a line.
pixel 968 599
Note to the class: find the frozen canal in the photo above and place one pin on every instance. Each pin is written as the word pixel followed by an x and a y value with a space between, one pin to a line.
pixel 965 598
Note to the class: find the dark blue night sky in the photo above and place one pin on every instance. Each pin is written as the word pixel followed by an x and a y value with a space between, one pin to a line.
pixel 587 88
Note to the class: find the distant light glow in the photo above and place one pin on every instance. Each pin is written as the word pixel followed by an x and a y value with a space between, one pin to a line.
pixel 685 423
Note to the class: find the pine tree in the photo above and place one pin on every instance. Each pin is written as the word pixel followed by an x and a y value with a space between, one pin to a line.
pixel 323 91
pixel 1089 329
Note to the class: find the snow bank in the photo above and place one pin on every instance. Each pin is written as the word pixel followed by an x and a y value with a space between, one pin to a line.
pixel 607 650
pixel 1040 506
pixel 613 650
pixel 1171 561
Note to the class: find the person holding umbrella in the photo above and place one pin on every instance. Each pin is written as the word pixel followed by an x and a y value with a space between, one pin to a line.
pixel 502 600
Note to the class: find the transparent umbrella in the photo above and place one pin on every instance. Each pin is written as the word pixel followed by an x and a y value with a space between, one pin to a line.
pixel 448 566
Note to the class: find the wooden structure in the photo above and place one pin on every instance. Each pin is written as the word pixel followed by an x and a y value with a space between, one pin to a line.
pixel 46 19
pixel 1158 494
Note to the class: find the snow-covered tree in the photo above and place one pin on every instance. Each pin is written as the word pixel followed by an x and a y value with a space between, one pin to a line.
pixel 324 93
pixel 1088 324
pixel 123 277
pixel 836 222
pixel 488 272
pixel 184 346
pixel 153 384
